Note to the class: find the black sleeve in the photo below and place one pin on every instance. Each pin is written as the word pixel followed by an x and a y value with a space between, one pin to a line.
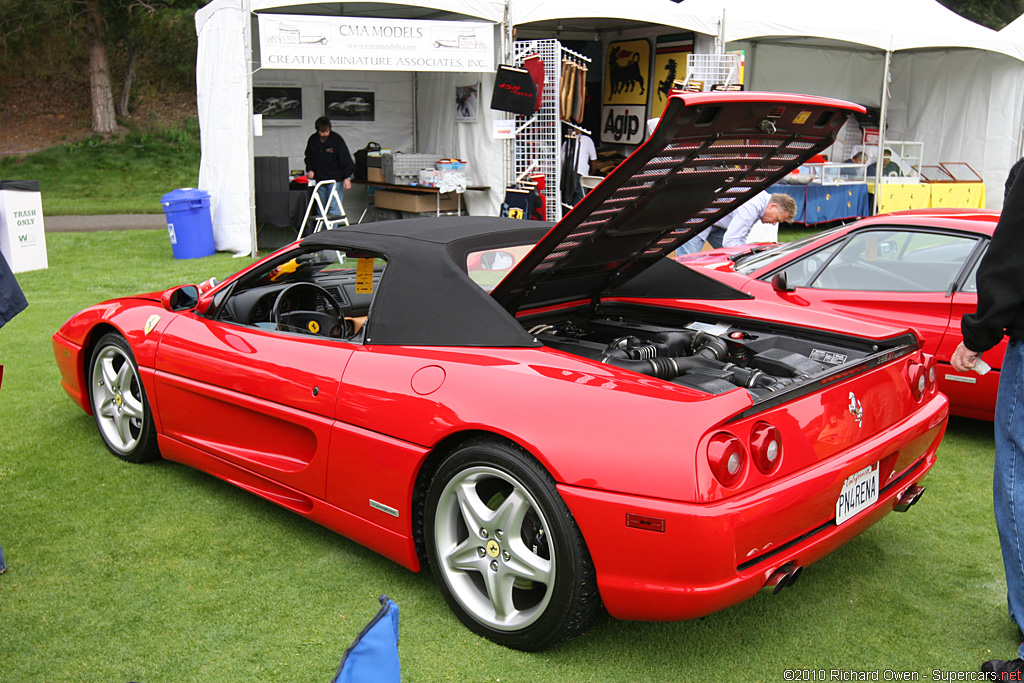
pixel 308 156
pixel 345 163
pixel 1000 281
pixel 1011 176
pixel 12 300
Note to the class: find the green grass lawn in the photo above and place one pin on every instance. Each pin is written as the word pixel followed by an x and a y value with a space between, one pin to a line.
pixel 126 176
pixel 150 573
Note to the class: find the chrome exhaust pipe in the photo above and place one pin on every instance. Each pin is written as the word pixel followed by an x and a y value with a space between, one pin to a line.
pixel 783 577
pixel 908 498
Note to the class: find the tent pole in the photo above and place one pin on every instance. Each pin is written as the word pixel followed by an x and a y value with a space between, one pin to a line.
pixel 247 9
pixel 881 129
pixel 415 113
pixel 508 171
pixel 720 41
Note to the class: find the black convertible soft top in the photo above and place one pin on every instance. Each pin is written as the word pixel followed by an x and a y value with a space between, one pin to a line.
pixel 426 297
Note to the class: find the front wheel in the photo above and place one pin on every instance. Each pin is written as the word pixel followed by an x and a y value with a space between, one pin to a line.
pixel 505 550
pixel 119 402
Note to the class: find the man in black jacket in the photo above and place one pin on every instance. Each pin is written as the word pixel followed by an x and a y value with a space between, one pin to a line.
pixel 1000 312
pixel 328 158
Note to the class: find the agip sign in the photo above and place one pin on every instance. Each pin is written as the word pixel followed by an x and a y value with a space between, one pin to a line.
pixel 316 42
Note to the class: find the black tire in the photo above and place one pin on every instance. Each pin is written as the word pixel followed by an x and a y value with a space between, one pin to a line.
pixel 529 589
pixel 118 400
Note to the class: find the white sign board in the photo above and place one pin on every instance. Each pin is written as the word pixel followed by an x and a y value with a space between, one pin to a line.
pixel 313 42
pixel 22 239
pixel 623 124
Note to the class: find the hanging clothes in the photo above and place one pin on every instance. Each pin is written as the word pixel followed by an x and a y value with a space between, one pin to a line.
pixel 535 65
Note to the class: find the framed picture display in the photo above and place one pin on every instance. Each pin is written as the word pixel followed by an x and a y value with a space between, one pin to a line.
pixel 935 174
pixel 467 102
pixel 349 105
pixel 961 171
pixel 278 104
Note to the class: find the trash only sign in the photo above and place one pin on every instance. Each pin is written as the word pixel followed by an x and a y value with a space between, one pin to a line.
pixel 22 239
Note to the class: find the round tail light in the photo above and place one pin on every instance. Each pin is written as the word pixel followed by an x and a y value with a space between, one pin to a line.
pixel 918 379
pixel 765 447
pixel 727 458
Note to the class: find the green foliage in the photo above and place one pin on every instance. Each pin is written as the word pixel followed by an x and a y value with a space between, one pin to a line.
pixel 994 14
pixel 96 176
pixel 156 572
pixel 41 39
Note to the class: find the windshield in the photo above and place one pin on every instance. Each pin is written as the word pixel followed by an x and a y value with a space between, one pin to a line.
pixel 748 262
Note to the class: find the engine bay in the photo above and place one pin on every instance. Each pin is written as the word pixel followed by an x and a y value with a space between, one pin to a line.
pixel 709 357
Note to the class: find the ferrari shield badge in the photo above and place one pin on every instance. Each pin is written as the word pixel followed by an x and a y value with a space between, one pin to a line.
pixel 150 324
pixel 856 409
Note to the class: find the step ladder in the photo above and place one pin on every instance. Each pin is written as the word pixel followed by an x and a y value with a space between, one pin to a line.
pixel 321 219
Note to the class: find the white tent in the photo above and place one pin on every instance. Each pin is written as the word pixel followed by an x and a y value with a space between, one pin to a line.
pixel 225 78
pixel 948 82
pixel 1014 31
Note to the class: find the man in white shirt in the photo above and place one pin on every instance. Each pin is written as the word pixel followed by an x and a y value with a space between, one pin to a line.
pixel 732 229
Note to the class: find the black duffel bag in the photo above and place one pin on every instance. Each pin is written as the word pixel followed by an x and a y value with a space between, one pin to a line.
pixel 360 158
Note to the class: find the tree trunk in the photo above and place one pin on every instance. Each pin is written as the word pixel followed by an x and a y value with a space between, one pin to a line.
pixel 100 93
pixel 103 119
pixel 126 85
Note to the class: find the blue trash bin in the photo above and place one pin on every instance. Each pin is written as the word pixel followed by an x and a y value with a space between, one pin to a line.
pixel 188 222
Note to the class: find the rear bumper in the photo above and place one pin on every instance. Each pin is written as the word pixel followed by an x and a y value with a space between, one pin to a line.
pixel 712 556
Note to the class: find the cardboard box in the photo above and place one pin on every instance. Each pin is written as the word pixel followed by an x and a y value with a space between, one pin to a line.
pixel 374 174
pixel 414 202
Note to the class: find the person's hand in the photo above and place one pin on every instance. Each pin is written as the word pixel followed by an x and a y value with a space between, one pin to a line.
pixel 347 184
pixel 309 174
pixel 964 359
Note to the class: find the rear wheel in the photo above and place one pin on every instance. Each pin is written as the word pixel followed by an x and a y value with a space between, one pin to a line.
pixel 119 402
pixel 505 550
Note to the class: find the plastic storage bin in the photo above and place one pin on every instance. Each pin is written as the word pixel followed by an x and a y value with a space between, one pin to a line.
pixel 188 222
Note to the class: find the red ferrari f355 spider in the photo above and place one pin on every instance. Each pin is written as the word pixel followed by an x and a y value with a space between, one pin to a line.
pixel 551 430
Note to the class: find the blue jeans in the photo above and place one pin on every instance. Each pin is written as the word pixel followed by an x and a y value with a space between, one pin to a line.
pixel 334 208
pixel 3 565
pixel 716 236
pixel 1007 487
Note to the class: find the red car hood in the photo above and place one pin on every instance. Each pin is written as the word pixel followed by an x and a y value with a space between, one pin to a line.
pixel 710 153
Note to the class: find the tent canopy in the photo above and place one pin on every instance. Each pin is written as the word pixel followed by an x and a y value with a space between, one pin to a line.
pixel 927 37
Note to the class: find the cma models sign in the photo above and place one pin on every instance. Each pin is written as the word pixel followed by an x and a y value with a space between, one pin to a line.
pixel 312 42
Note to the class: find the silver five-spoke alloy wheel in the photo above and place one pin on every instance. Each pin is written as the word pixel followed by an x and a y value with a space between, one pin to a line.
pixel 119 402
pixel 493 553
pixel 504 548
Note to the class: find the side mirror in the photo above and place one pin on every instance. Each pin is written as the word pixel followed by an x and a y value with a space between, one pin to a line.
pixel 182 298
pixel 780 282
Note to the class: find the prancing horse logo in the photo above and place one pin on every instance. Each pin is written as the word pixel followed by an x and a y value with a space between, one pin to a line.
pixel 856 409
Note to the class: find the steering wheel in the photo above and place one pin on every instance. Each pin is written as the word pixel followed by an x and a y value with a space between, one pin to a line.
pixel 309 320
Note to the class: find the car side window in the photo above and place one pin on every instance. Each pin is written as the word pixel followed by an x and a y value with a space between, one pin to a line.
pixel 896 261
pixel 802 272
pixel 487 268
pixel 326 293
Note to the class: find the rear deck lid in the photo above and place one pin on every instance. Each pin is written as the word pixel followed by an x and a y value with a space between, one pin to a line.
pixel 710 153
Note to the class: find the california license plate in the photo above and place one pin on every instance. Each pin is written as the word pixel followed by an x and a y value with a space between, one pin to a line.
pixel 860 491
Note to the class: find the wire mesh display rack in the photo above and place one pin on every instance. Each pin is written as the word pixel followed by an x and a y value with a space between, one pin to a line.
pixel 538 137
pixel 709 70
